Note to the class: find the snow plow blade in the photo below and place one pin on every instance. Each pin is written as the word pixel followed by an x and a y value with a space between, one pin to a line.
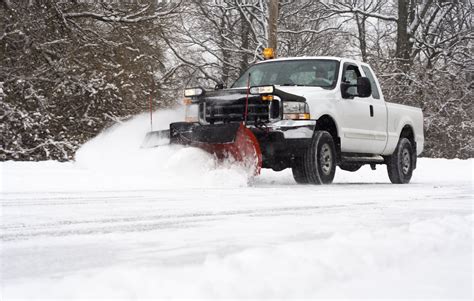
pixel 156 138
pixel 232 140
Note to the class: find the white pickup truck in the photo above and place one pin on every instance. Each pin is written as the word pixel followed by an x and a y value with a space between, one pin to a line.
pixel 310 114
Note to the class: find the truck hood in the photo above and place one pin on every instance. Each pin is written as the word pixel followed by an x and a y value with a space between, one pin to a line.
pixel 309 92
pixel 305 92
pixel 227 96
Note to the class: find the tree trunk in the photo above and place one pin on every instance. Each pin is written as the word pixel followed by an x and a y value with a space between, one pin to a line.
pixel 402 53
pixel 225 55
pixel 273 24
pixel 362 40
pixel 245 37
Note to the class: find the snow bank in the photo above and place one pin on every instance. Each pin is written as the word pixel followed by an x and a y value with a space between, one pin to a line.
pixel 432 171
pixel 177 167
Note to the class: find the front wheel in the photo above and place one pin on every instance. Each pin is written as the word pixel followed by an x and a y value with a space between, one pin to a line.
pixel 319 160
pixel 299 173
pixel 401 163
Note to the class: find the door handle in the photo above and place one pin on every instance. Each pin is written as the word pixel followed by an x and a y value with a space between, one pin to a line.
pixel 371 111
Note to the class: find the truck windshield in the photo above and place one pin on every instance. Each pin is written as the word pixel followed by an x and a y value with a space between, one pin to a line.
pixel 315 73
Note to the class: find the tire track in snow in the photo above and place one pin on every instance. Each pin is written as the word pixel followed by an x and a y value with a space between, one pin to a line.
pixel 147 223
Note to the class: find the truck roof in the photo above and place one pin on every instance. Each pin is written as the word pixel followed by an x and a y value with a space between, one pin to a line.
pixel 309 58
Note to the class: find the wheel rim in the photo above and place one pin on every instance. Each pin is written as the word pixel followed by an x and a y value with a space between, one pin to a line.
pixel 406 161
pixel 325 159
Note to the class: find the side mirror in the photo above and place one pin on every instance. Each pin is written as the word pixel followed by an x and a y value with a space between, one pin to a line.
pixel 364 88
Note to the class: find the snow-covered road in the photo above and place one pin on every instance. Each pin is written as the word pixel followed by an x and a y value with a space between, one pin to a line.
pixel 106 227
pixel 273 238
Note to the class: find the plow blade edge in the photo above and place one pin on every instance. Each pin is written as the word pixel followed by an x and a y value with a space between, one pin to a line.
pixel 233 140
pixel 156 138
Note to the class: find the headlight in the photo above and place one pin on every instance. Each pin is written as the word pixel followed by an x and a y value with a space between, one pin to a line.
pixel 193 92
pixel 192 113
pixel 296 111
pixel 262 90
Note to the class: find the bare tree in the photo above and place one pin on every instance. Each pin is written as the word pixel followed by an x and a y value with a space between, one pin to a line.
pixel 227 36
pixel 423 51
pixel 70 69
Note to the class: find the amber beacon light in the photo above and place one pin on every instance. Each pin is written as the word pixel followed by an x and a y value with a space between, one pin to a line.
pixel 268 53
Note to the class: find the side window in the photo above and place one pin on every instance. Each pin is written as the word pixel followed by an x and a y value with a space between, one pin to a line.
pixel 350 76
pixel 373 84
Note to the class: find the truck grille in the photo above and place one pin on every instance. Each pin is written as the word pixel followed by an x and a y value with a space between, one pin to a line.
pixel 235 112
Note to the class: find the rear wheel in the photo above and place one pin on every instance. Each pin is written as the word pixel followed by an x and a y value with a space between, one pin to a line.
pixel 401 163
pixel 318 165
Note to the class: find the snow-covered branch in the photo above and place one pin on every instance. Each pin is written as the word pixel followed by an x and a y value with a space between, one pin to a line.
pixel 141 15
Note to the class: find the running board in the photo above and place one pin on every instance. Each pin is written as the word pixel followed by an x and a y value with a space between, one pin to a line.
pixel 363 159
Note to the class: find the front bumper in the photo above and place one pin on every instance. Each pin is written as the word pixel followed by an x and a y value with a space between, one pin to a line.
pixel 284 140
pixel 294 129
pixel 280 142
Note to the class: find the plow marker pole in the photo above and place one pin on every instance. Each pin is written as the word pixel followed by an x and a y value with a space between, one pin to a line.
pixel 151 113
pixel 247 101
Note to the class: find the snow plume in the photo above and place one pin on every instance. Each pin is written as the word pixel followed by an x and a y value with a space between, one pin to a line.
pixel 117 154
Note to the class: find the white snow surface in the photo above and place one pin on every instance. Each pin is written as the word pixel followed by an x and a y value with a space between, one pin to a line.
pixel 123 222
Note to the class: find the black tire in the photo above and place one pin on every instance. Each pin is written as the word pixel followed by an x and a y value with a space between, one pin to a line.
pixel 352 167
pixel 320 159
pixel 298 171
pixel 401 163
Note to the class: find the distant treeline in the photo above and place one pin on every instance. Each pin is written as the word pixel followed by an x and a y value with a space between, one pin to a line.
pixel 69 69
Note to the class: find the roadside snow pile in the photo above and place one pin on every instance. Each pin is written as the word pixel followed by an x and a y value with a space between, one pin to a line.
pixel 117 152
pixel 429 171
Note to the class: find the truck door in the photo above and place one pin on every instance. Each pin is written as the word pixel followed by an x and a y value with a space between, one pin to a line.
pixel 379 112
pixel 361 123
